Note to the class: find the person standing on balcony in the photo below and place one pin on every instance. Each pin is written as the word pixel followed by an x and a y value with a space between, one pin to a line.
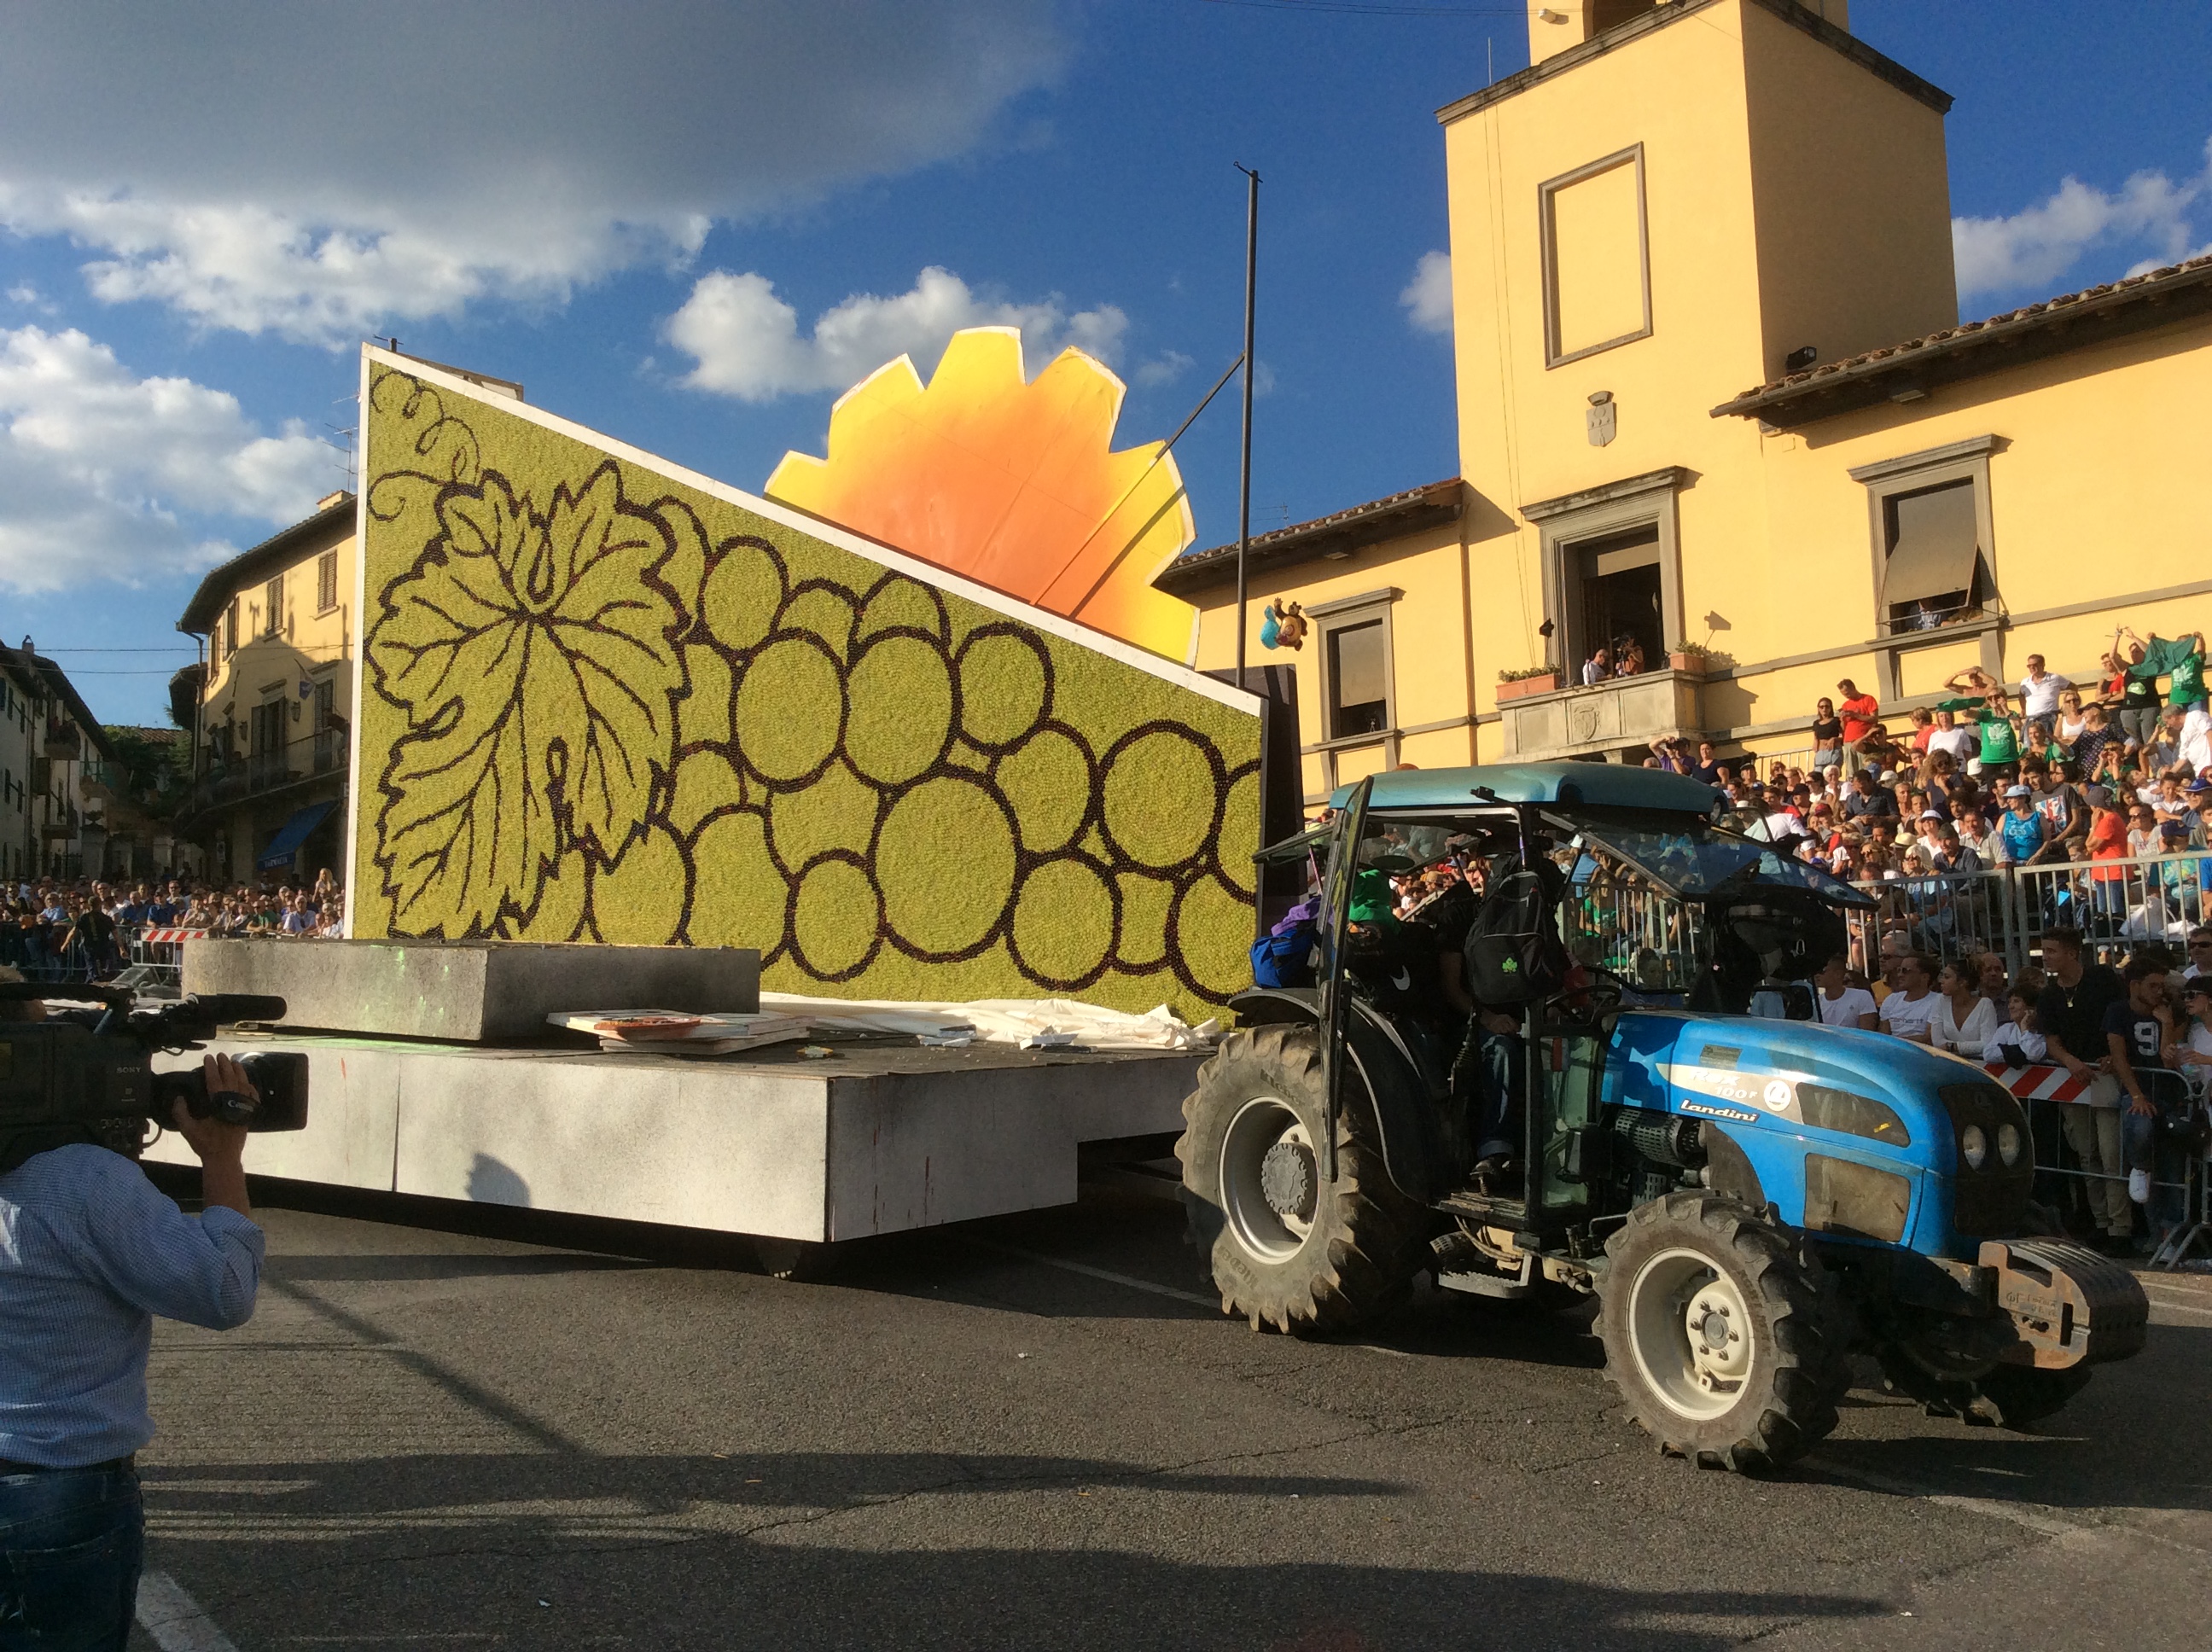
pixel 1827 734
pixel 1861 714
pixel 1598 667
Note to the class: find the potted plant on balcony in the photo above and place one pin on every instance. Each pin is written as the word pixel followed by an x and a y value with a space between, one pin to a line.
pixel 1515 681
pixel 1688 657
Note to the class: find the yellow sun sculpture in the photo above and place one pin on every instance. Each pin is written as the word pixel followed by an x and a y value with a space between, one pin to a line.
pixel 1012 484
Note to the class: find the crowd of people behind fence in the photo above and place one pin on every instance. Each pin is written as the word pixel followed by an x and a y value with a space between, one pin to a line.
pixel 85 929
pixel 2112 780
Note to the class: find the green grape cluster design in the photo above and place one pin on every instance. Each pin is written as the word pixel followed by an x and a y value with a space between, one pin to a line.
pixel 771 742
pixel 892 779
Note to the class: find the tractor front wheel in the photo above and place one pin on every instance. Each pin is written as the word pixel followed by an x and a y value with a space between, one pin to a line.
pixel 1716 1334
pixel 1287 1248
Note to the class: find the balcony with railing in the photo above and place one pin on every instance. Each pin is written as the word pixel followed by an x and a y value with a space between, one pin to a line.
pixel 62 738
pixel 1621 716
pixel 233 780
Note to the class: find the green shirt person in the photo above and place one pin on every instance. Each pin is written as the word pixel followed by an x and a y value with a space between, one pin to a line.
pixel 2000 739
pixel 2179 660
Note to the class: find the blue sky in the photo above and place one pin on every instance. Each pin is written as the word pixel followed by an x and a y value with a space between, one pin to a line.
pixel 205 211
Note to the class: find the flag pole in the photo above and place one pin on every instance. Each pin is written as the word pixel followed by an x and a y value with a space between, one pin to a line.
pixel 1244 478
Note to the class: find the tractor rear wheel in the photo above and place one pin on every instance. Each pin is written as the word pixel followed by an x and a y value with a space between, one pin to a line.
pixel 1286 1247
pixel 1715 1332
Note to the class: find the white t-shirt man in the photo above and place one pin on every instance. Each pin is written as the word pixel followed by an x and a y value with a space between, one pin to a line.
pixel 1958 742
pixel 1906 1018
pixel 1846 1011
pixel 2039 694
pixel 2195 742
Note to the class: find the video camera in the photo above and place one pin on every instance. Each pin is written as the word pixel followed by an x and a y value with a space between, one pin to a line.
pixel 88 1075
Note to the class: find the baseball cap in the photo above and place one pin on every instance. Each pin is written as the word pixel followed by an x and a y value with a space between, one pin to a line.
pixel 2018 792
pixel 1930 813
pixel 2097 796
pixel 2173 829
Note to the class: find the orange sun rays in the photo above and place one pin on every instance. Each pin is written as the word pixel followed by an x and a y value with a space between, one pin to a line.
pixel 1013 484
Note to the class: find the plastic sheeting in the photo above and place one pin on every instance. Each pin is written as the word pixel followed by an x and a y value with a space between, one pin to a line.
pixel 1041 1023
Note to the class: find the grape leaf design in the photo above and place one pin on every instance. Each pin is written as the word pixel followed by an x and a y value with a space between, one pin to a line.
pixel 535 653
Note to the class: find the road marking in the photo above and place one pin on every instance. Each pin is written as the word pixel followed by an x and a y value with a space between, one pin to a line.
pixel 1107 1274
pixel 174 1619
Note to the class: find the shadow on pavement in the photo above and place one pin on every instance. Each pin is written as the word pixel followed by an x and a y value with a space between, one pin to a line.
pixel 2140 1436
pixel 452 1548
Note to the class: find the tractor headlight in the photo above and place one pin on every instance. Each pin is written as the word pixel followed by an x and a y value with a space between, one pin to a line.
pixel 1973 1146
pixel 2009 1144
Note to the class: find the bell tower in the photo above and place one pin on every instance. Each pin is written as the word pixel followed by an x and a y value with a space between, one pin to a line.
pixel 1673 203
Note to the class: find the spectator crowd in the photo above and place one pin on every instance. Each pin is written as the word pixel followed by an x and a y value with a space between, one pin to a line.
pixel 85 930
pixel 2043 773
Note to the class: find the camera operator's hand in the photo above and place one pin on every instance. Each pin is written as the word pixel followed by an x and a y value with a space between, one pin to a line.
pixel 221 1147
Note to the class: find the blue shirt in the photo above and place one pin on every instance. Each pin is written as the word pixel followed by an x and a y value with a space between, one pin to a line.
pixel 2023 835
pixel 89 1252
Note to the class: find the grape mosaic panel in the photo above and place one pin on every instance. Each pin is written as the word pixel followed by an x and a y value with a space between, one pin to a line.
pixel 604 706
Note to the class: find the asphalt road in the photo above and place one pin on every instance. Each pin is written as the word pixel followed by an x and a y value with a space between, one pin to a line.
pixel 1036 1432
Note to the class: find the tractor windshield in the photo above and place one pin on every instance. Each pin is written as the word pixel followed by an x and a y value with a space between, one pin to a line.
pixel 1694 859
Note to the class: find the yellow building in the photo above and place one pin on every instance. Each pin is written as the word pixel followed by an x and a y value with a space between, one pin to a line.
pixel 1673 203
pixel 276 701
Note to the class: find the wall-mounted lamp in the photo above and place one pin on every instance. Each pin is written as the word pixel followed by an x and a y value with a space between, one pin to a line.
pixel 1801 358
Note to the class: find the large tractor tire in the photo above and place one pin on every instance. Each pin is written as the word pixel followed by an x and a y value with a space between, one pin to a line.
pixel 1287 1249
pixel 1718 1334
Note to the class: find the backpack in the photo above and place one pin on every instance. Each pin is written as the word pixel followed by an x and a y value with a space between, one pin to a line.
pixel 1513 952
pixel 1284 956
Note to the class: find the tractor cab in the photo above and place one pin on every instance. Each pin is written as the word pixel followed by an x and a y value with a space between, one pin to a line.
pixel 1659 904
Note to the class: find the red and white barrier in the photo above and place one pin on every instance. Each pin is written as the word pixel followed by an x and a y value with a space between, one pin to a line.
pixel 2039 1083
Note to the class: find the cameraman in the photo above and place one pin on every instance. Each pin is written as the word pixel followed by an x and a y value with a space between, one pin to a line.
pixel 90 1251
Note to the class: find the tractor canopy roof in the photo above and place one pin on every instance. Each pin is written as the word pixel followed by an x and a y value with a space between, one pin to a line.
pixel 1606 786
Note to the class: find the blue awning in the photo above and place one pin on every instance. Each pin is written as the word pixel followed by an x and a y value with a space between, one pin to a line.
pixel 292 834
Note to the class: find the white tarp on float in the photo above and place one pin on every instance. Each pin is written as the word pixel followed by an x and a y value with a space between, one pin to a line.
pixel 1037 1022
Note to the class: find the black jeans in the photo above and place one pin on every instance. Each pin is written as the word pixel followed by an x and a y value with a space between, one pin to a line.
pixel 72 1543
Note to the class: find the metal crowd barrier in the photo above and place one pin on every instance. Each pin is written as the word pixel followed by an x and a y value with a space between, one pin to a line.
pixel 2042 1086
pixel 1645 938
pixel 2007 909
pixel 155 954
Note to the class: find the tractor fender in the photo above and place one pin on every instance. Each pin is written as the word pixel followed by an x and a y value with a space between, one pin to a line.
pixel 1403 1118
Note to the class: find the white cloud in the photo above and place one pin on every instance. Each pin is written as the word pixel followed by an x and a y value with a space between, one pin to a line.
pixel 747 343
pixel 318 175
pixel 1163 369
pixel 94 463
pixel 1428 297
pixel 2036 246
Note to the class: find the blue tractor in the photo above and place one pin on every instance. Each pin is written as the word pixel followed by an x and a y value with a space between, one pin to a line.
pixel 1752 1198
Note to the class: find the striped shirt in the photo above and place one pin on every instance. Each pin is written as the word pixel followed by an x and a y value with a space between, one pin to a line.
pixel 90 1251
